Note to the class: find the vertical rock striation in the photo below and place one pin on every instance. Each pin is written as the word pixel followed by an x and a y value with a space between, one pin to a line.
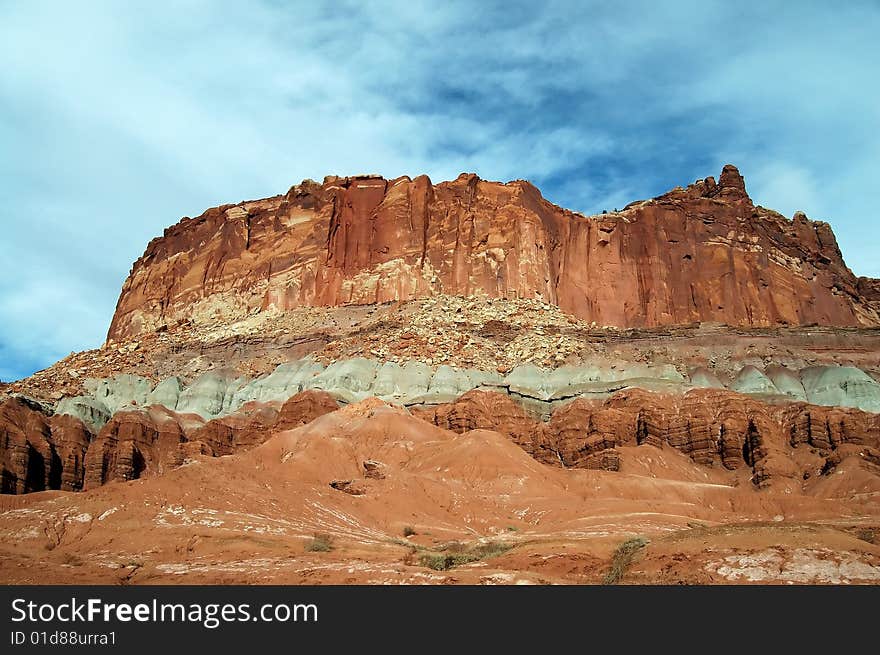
pixel 701 253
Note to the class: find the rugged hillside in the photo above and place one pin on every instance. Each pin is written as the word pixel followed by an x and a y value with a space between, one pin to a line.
pixel 701 253
pixel 378 381
pixel 370 494
pixel 784 425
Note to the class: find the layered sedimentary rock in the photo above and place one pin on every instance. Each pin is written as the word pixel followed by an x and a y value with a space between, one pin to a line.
pixel 701 253
pixel 485 410
pixel 214 394
pixel 254 422
pixel 775 444
pixel 147 442
pixel 138 443
pixel 39 452
pixel 779 444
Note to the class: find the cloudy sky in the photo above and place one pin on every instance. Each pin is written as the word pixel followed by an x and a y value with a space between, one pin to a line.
pixel 117 119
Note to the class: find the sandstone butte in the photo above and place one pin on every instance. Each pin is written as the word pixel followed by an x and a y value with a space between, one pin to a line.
pixel 748 483
pixel 705 253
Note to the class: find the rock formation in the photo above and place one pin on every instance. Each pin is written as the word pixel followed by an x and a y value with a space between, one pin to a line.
pixel 502 336
pixel 419 372
pixel 254 422
pixel 414 383
pixel 778 445
pixel 137 443
pixel 147 442
pixel 781 443
pixel 39 452
pixel 701 253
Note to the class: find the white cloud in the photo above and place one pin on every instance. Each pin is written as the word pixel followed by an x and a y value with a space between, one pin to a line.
pixel 118 118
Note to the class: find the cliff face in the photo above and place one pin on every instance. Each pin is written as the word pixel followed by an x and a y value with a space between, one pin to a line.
pixel 778 446
pixel 701 253
pixel 39 452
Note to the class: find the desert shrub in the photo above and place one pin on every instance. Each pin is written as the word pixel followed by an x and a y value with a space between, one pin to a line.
pixel 409 531
pixel 456 554
pixel 320 543
pixel 623 558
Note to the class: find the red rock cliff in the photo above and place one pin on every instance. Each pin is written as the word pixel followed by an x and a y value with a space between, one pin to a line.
pixel 701 253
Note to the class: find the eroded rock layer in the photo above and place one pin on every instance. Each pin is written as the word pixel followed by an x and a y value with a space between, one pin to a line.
pixel 40 452
pixel 781 445
pixel 220 393
pixel 701 253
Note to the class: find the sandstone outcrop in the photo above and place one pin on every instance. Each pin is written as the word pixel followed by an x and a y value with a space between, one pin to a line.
pixel 153 440
pixel 384 487
pixel 255 422
pixel 39 452
pixel 701 253
pixel 135 444
pixel 506 333
pixel 780 445
pixel 486 410
pixel 463 364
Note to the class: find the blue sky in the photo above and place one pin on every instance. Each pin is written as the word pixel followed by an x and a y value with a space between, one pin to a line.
pixel 116 119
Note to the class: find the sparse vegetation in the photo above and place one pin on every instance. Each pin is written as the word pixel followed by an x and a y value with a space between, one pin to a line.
pixel 623 558
pixel 456 554
pixel 866 534
pixel 512 528
pixel 320 543
pixel 409 531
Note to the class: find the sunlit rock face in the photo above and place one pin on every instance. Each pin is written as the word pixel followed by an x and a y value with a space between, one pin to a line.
pixel 700 253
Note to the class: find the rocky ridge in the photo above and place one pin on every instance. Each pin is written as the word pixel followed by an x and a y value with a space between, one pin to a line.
pixel 701 253
pixel 40 452
pixel 390 492
pixel 260 316
pixel 783 446
pixel 412 370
